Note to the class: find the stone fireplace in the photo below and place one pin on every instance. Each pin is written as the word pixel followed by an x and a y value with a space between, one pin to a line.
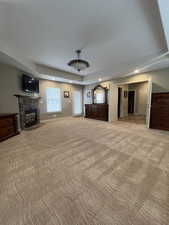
pixel 31 118
pixel 29 112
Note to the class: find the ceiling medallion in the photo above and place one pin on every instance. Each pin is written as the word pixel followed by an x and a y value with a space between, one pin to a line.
pixel 79 64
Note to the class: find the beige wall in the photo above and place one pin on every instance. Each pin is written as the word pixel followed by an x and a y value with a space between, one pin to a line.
pixel 10 84
pixel 113 103
pixel 123 102
pixel 160 83
pixel 67 103
pixel 141 97
pixel 45 70
pixel 160 79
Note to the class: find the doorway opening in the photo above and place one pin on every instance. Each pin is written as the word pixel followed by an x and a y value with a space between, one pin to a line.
pixel 133 102
pixel 119 101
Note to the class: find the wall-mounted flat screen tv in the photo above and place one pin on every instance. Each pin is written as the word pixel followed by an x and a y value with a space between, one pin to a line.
pixel 30 84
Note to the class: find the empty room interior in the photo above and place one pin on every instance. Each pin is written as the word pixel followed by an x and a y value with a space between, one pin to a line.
pixel 84 112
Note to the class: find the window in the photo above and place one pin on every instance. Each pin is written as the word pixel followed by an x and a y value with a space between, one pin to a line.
pixel 77 102
pixel 53 99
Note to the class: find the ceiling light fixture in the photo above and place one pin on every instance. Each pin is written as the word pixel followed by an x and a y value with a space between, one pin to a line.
pixel 136 71
pixel 79 64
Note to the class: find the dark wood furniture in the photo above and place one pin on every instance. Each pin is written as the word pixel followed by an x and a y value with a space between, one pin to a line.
pixel 160 111
pixel 8 126
pixel 97 111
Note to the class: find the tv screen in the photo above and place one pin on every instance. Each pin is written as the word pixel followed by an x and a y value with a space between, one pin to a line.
pixel 30 84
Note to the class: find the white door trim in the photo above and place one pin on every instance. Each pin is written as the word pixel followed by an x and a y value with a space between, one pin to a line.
pixel 149 103
pixel 113 100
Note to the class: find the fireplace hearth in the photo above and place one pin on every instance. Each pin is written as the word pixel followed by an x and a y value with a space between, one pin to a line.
pixel 28 111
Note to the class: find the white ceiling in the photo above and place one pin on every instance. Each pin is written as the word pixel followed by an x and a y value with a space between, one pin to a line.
pixel 116 36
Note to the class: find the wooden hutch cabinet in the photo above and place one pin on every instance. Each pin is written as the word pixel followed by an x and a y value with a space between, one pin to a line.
pixel 98 111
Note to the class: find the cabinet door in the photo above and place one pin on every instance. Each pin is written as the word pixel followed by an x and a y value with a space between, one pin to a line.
pixel 160 111
pixel 6 131
pixel 6 122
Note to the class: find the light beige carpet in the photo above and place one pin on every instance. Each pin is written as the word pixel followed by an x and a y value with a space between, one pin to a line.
pixel 85 172
pixel 137 119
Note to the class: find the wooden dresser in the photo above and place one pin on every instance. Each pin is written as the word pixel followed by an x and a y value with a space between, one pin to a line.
pixel 8 126
pixel 97 111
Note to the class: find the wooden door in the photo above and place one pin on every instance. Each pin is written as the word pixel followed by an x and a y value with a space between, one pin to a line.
pixel 160 111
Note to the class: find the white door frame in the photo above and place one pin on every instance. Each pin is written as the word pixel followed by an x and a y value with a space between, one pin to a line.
pixel 113 100
pixel 149 104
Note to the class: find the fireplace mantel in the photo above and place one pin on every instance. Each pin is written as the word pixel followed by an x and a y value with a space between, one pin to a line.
pixel 28 96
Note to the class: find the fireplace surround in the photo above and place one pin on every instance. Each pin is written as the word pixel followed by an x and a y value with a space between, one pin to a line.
pixel 29 112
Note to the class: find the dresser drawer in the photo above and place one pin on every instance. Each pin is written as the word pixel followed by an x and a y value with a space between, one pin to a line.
pixel 6 122
pixel 8 125
pixel 6 131
pixel 97 111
